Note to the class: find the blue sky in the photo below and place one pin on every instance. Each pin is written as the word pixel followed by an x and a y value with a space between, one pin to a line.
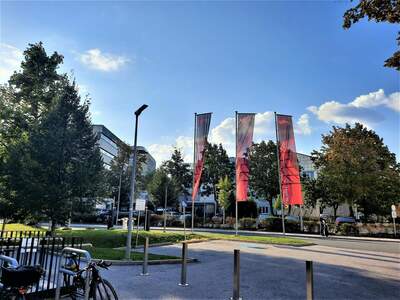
pixel 186 57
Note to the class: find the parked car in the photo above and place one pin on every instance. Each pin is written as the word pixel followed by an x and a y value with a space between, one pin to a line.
pixel 292 218
pixel 342 220
pixel 261 217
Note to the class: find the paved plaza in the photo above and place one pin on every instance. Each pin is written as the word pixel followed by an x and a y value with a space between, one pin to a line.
pixel 267 272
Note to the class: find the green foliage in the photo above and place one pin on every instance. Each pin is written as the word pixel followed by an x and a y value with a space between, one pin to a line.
pixel 121 170
pixel 225 189
pixel 48 152
pixel 247 223
pixel 378 11
pixel 277 203
pixel 264 178
pixel 216 165
pixel 179 171
pixel 158 185
pixel 356 167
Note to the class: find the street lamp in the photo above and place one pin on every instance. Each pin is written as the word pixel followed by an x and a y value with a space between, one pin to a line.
pixel 165 201
pixel 133 181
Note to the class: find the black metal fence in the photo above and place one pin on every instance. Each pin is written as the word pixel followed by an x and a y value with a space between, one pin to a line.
pixel 35 248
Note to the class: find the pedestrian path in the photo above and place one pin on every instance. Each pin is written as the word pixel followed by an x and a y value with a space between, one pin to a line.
pixel 267 272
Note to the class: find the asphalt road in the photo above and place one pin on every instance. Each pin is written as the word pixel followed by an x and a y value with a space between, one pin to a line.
pixel 266 272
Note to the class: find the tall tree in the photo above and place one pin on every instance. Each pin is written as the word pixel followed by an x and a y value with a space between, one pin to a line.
pixel 264 179
pixel 179 171
pixel 161 185
pixel 359 168
pixel 54 157
pixel 378 11
pixel 121 168
pixel 216 165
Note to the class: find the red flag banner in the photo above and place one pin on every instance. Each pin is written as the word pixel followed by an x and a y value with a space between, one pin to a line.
pixel 200 141
pixel 244 139
pixel 288 165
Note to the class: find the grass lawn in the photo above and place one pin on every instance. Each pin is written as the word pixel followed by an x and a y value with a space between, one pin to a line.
pixel 258 239
pixel 21 227
pixel 115 238
pixel 113 254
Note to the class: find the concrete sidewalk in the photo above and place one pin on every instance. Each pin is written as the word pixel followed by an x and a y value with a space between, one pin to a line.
pixel 267 272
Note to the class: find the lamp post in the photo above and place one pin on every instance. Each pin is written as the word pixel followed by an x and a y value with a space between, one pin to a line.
pixel 165 201
pixel 119 196
pixel 133 181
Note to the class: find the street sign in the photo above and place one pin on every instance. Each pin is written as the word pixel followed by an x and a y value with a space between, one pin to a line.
pixel 394 214
pixel 183 203
pixel 393 207
pixel 140 205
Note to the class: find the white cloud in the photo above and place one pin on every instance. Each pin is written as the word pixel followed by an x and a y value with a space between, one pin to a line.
pixel 394 101
pixel 359 110
pixel 10 60
pixel 303 125
pixel 106 62
pixel 224 133
pixel 162 152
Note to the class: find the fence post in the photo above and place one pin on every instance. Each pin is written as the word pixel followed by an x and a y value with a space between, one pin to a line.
pixel 236 275
pixel 184 265
pixel 145 257
pixel 310 280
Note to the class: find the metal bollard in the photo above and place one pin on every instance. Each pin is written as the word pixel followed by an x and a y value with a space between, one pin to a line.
pixel 184 265
pixel 310 280
pixel 236 275
pixel 145 257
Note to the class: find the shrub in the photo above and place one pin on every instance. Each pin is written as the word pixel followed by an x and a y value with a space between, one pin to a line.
pixel 247 223
pixel 312 226
pixel 230 221
pixel 346 229
pixel 157 220
pixel 271 224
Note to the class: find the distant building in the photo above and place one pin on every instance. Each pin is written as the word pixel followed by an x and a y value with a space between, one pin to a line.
pixel 108 143
pixel 307 165
pixel 150 164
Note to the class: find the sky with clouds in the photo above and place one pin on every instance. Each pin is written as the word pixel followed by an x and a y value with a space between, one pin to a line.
pixel 187 57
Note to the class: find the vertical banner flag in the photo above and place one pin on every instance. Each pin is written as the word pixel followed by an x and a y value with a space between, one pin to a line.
pixel 244 139
pixel 202 126
pixel 288 165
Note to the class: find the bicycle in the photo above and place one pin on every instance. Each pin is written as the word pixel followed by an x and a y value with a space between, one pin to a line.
pixel 99 288
pixel 16 280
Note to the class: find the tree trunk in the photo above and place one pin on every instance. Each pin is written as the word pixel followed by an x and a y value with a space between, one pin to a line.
pixel 335 207
pixel 215 200
pixel 270 207
pixel 351 211
pixel 223 216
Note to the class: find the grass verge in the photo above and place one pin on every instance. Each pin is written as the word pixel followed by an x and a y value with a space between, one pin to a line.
pixel 115 238
pixel 258 239
pixel 113 254
pixel 20 227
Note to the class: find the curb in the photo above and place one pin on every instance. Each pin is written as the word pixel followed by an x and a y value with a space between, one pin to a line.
pixel 150 262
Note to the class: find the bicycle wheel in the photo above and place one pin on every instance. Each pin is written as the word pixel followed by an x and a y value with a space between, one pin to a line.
pixel 70 289
pixel 103 290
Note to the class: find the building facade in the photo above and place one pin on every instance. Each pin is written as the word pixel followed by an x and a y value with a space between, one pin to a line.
pixel 307 165
pixel 109 144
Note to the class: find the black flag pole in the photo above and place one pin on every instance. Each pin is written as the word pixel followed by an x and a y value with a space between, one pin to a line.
pixel 279 174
